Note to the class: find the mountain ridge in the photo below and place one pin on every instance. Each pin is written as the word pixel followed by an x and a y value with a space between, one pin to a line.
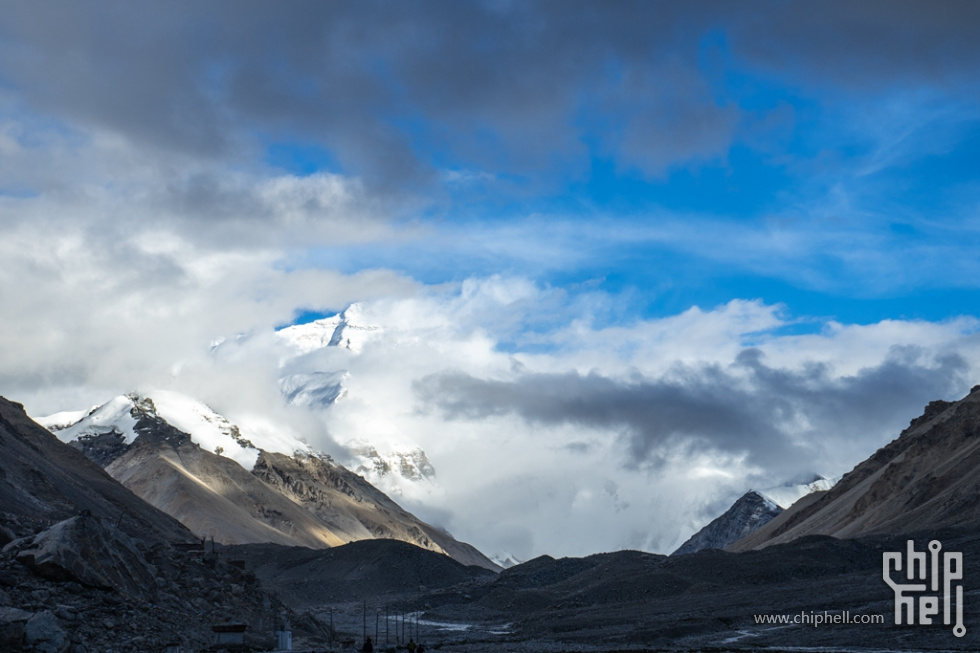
pixel 43 479
pixel 923 479
pixel 235 491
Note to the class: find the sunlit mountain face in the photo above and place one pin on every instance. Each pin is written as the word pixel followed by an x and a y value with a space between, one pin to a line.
pixel 584 272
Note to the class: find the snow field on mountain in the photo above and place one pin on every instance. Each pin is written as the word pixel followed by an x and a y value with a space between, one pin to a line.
pixel 112 415
pixel 208 429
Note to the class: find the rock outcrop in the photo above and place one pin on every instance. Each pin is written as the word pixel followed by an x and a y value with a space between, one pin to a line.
pixel 87 551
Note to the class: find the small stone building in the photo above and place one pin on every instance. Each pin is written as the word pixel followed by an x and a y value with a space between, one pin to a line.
pixel 229 636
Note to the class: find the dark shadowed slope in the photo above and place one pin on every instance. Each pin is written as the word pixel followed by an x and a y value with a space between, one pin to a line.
pixel 41 478
pixel 89 566
pixel 367 569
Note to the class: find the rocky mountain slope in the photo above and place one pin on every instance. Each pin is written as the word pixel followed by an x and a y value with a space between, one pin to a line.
pixel 221 482
pixel 924 480
pixel 347 503
pixel 44 481
pixel 751 512
pixel 88 566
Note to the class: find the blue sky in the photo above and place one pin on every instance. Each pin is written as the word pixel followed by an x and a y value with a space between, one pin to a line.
pixel 764 213
pixel 838 199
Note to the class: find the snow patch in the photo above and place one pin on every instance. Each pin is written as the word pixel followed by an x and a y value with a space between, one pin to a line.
pixel 208 429
pixel 64 419
pixel 112 416
pixel 506 560
pixel 397 467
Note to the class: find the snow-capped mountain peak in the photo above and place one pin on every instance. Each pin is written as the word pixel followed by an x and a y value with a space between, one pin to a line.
pixel 116 415
pixel 209 430
pixel 506 560
pixel 350 329
pixel 753 510
pixel 184 458
pixel 748 514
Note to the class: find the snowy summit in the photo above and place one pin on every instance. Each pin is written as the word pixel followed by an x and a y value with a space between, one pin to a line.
pixel 347 330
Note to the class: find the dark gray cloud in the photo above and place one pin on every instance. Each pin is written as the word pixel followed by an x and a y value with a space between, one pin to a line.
pixel 396 90
pixel 786 420
pixel 868 45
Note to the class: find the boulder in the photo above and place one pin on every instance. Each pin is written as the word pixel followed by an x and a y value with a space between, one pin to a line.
pixel 45 634
pixel 13 624
pixel 93 553
pixel 6 535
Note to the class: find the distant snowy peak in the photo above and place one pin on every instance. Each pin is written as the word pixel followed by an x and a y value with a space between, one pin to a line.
pixel 751 512
pixel 506 560
pixel 401 470
pixel 411 465
pixel 122 415
pixel 349 329
pixel 789 493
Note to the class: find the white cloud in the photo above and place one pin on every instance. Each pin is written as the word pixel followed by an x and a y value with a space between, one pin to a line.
pixel 85 319
pixel 537 462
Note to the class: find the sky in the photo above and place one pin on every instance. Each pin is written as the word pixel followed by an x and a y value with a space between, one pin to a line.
pixel 631 258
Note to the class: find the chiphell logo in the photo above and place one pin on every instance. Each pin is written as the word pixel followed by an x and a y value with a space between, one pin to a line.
pixel 919 566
